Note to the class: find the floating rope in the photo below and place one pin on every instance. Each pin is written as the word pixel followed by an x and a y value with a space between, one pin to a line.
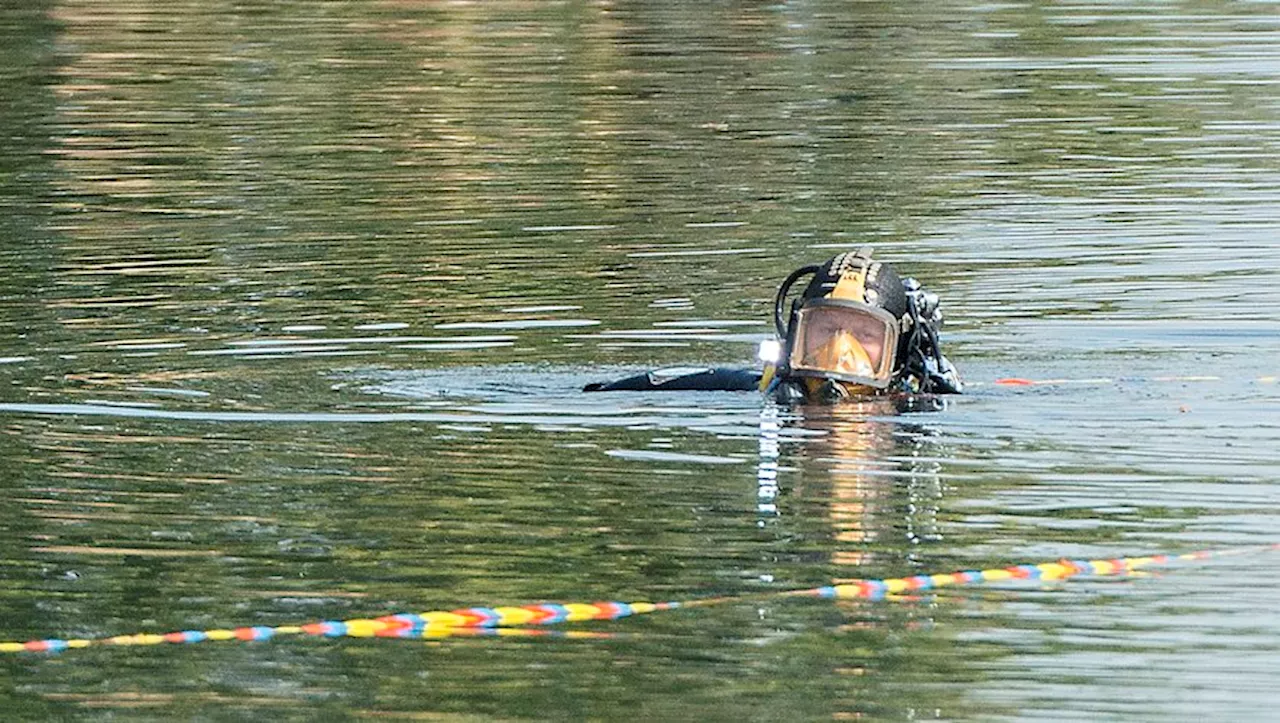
pixel 506 620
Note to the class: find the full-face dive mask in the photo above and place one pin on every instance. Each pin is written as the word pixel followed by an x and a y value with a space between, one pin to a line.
pixel 856 329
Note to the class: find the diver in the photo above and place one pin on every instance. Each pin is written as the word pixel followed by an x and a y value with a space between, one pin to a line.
pixel 857 330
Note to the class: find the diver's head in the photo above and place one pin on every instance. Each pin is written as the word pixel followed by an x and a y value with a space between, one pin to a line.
pixel 848 333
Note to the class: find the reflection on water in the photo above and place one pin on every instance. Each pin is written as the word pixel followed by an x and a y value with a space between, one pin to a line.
pixel 870 477
pixel 299 297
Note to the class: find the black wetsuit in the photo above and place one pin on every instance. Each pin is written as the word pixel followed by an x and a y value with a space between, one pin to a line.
pixel 684 380
pixel 941 376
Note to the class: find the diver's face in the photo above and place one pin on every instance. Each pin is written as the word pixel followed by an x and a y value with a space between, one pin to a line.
pixel 843 342
pixel 845 351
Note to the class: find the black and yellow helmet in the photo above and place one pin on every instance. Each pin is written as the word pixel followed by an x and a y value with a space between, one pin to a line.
pixel 857 328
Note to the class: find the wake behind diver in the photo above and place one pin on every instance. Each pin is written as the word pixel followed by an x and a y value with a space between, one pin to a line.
pixel 857 330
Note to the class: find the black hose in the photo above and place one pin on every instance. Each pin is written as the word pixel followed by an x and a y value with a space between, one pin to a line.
pixel 779 301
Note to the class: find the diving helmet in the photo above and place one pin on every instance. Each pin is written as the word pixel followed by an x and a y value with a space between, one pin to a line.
pixel 857 328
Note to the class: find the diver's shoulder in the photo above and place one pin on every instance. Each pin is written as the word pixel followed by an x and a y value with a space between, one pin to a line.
pixel 710 379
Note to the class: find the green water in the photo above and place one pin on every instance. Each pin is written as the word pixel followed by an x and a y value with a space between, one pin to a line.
pixel 299 297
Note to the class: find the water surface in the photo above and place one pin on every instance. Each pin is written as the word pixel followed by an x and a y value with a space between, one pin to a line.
pixel 299 297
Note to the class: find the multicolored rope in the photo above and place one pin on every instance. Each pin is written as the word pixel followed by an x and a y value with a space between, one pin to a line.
pixel 507 620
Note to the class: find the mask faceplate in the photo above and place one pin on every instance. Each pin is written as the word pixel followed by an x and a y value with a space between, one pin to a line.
pixel 844 341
